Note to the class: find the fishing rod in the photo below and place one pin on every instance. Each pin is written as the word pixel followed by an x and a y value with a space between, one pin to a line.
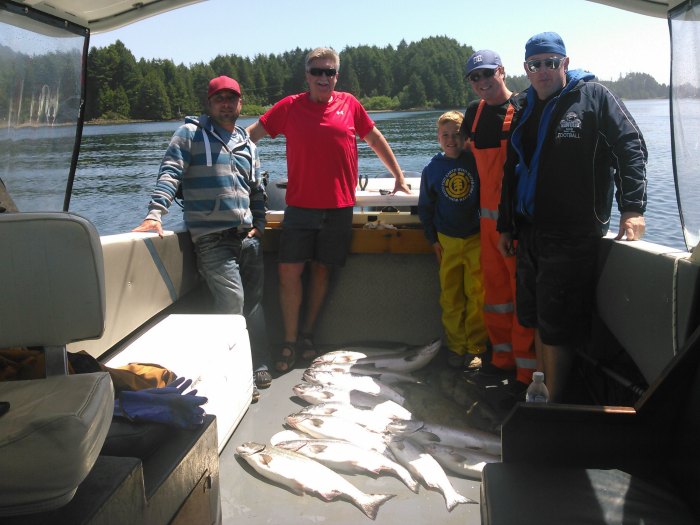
pixel 635 388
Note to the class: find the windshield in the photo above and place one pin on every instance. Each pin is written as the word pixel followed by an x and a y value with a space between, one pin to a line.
pixel 40 105
pixel 685 112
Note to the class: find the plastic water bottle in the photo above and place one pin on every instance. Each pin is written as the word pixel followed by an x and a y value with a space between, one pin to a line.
pixel 537 391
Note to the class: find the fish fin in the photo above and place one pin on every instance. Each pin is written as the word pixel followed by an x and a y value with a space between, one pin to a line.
pixel 424 436
pixel 266 459
pixel 330 495
pixel 296 488
pixel 371 503
pixel 317 447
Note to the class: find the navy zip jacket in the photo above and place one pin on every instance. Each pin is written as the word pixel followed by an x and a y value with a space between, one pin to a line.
pixel 587 141
pixel 449 197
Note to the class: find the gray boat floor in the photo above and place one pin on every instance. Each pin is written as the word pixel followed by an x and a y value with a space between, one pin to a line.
pixel 246 497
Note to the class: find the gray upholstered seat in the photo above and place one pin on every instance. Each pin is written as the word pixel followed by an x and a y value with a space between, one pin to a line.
pixel 51 293
pixel 603 464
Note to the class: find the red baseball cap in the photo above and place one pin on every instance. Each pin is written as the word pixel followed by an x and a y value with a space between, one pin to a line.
pixel 220 83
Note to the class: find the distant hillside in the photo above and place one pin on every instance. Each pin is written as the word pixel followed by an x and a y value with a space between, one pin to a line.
pixel 631 86
pixel 424 74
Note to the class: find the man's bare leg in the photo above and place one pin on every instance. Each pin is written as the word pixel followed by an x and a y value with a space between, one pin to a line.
pixel 316 295
pixel 538 352
pixel 290 294
pixel 558 361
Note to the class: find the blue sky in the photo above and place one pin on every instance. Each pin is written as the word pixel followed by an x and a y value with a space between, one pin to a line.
pixel 601 39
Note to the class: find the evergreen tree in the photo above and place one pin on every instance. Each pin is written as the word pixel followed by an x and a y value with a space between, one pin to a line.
pixel 176 88
pixel 413 95
pixel 120 103
pixel 154 103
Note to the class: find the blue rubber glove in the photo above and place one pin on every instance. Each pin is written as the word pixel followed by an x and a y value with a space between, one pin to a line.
pixel 167 405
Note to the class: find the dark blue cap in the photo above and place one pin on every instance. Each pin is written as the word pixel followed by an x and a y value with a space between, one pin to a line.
pixel 483 59
pixel 548 42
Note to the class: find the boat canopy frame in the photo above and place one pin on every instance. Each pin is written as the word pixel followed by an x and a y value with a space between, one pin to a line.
pixel 44 103
pixel 684 101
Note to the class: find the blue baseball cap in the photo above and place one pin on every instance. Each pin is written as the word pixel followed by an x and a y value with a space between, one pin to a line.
pixel 483 59
pixel 548 42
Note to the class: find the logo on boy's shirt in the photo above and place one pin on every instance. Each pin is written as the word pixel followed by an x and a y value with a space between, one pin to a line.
pixel 458 184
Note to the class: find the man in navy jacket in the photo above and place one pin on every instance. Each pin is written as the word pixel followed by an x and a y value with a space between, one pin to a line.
pixel 573 143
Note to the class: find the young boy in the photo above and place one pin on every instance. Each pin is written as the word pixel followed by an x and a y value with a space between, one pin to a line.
pixel 448 207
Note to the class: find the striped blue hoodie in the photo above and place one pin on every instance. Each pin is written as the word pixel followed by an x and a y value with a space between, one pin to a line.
pixel 219 174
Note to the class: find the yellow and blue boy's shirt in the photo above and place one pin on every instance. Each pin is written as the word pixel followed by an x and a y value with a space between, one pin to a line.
pixel 449 197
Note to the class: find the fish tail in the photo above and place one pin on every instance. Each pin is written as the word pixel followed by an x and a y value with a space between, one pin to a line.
pixel 411 484
pixel 371 502
pixel 454 498
pixel 408 480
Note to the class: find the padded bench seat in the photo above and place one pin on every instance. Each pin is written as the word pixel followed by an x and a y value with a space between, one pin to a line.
pixel 603 464
pixel 527 494
pixel 211 349
pixel 60 423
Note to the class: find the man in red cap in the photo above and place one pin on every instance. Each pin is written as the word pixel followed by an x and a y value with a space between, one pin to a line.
pixel 217 167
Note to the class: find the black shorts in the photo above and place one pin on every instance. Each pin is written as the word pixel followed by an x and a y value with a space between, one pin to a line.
pixel 321 235
pixel 556 278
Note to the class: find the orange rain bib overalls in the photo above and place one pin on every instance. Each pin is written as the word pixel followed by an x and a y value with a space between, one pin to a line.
pixel 513 344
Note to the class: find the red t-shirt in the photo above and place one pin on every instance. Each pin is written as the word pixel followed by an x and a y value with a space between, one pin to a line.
pixel 321 147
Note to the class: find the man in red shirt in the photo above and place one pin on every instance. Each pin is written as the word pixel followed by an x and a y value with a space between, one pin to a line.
pixel 320 127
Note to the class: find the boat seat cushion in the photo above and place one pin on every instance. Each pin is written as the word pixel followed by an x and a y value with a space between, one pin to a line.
pixel 539 495
pixel 60 423
pixel 52 286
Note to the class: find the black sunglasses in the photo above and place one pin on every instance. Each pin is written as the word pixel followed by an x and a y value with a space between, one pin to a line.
pixel 481 73
pixel 318 71
pixel 533 66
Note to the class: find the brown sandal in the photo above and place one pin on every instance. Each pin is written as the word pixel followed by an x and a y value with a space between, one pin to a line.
pixel 305 343
pixel 286 358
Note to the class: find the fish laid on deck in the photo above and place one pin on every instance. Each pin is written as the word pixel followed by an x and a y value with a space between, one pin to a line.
pixel 424 467
pixel 353 382
pixel 343 455
pixel 408 360
pixel 301 474
pixel 464 462
pixel 374 420
pixel 455 436
pixel 381 374
pixel 330 427
pixel 316 394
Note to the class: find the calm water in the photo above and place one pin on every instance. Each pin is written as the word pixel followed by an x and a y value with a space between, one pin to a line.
pixel 119 164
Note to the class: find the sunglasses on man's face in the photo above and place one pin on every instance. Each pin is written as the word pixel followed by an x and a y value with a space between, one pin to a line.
pixel 533 66
pixel 318 71
pixel 481 73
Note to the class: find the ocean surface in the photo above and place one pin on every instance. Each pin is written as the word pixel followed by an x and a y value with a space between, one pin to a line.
pixel 118 166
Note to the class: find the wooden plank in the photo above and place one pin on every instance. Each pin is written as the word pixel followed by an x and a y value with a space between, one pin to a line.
pixel 389 241
pixel 403 240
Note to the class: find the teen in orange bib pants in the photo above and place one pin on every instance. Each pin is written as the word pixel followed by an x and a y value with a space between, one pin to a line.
pixel 513 344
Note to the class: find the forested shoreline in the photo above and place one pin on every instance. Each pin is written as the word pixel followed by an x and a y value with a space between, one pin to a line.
pixel 427 74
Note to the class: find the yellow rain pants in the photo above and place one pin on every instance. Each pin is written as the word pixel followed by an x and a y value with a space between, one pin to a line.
pixel 462 294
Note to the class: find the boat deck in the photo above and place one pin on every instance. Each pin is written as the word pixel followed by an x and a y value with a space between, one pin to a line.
pixel 246 496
